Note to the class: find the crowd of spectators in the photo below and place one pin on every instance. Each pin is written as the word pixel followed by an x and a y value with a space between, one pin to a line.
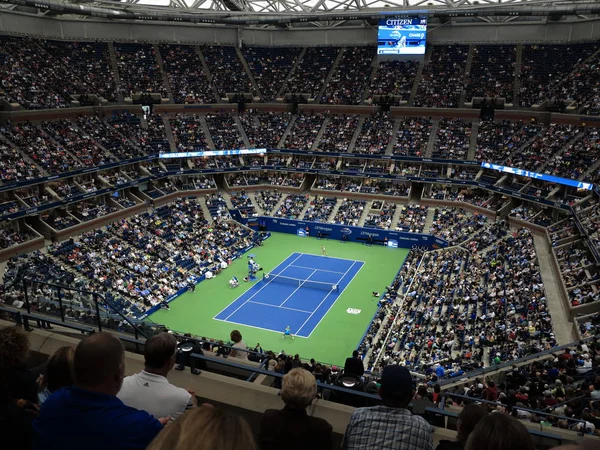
pixel 79 143
pixel 412 136
pixel 292 206
pixel 304 131
pixel 347 83
pixel 188 132
pixel 228 73
pixel 447 319
pixel 542 73
pixel 339 129
pixel 578 156
pixel 224 131
pixel 311 71
pixel 267 200
pixel 383 218
pixel 456 225
pixel 38 146
pixel 393 78
pixel 270 67
pixel 151 139
pixel 496 141
pixel 350 212
pixel 10 236
pixel 548 141
pixel 109 137
pixel 89 210
pixel 442 81
pixel 343 184
pixel 264 129
pixel 375 134
pixel 320 209
pixel 189 83
pixel 492 72
pixel 243 203
pixel 139 70
pixel 453 139
pixel 412 218
pixel 14 167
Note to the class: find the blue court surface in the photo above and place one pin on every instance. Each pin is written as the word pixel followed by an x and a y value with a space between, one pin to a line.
pixel 300 301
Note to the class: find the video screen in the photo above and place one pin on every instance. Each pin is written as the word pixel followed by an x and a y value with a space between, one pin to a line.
pixel 402 36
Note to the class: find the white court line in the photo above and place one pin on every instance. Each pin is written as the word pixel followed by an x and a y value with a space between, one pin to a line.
pixel 296 290
pixel 332 257
pixel 320 270
pixel 339 295
pixel 282 307
pixel 253 295
pixel 322 301
pixel 258 328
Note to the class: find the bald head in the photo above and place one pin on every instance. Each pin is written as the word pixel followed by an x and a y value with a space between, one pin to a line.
pixel 99 363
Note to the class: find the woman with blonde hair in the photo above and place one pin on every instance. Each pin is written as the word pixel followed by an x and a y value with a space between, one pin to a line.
pixel 206 428
pixel 292 424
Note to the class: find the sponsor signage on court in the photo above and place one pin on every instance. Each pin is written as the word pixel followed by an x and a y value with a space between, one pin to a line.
pixel 353 311
pixel 356 234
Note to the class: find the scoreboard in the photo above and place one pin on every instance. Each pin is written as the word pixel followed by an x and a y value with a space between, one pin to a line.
pixel 402 36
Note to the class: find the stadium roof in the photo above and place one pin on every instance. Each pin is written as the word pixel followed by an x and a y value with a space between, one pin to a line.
pixel 304 12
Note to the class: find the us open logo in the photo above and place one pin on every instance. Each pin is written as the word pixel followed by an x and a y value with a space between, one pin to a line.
pixel 353 311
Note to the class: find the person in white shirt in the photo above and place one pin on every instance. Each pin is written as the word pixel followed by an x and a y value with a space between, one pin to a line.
pixel 239 349
pixel 149 390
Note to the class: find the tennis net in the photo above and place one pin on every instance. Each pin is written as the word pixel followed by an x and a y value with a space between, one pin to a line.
pixel 299 282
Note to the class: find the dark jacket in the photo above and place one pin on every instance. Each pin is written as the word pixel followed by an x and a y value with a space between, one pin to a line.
pixel 450 445
pixel 354 366
pixel 293 429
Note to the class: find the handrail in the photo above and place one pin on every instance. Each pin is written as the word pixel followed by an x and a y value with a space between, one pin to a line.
pixel 258 370
pixel 94 295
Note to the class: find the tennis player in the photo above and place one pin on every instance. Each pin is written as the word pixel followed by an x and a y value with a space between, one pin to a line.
pixel 287 332
pixel 323 251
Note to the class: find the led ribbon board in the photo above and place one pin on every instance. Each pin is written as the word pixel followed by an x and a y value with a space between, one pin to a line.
pixel 243 151
pixel 538 176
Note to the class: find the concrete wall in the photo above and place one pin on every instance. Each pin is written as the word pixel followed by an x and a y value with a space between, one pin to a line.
pixel 97 29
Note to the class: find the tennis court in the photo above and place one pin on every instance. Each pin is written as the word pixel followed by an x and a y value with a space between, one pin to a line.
pixel 298 292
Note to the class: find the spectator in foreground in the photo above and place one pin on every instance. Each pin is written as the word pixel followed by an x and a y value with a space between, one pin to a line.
pixel 238 349
pixel 17 386
pixel 150 390
pixel 292 425
pixel 58 372
pixel 354 366
pixel 391 425
pixel 206 428
pixel 499 431
pixel 89 415
pixel 16 379
pixel 467 421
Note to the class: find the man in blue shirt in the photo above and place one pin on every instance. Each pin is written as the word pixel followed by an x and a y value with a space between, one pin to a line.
pixel 89 415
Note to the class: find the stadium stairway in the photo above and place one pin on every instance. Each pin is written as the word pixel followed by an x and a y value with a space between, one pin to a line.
pixel 169 133
pixel 163 72
pixel 473 140
pixel 206 131
pixel 207 72
pixel 432 138
pixel 561 150
pixel 204 208
pixel 518 66
pixel 287 131
pixel 254 201
pixel 114 69
pixel 311 198
pixel 359 125
pixel 66 150
pixel 227 198
pixel 419 74
pixel 334 211
pixel 390 148
pixel 248 71
pixel 278 205
pixel 468 66
pixel 563 329
pixel 428 220
pixel 364 215
pixel 241 130
pixel 320 134
pixel 283 87
pixel 374 68
pixel 333 69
